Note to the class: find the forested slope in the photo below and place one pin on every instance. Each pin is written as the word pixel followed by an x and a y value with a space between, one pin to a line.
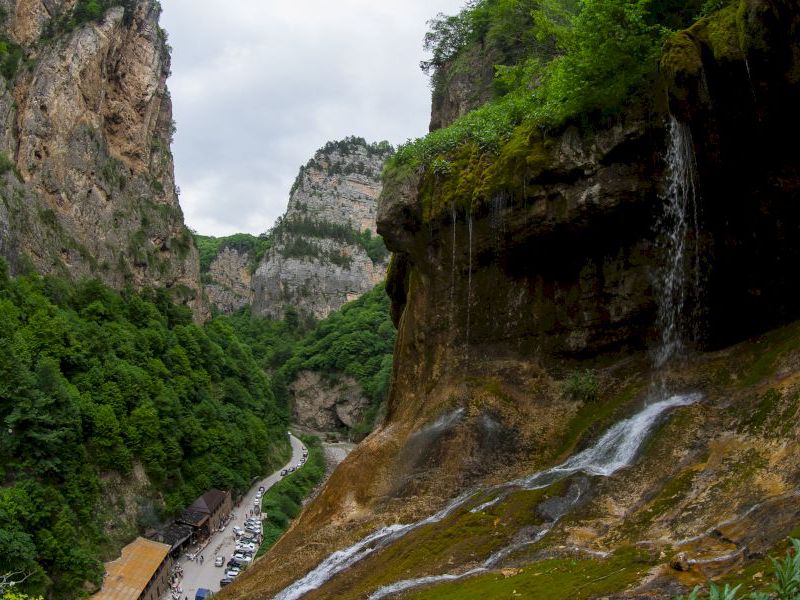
pixel 97 384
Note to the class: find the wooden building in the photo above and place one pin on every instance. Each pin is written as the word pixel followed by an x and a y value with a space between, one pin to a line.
pixel 207 513
pixel 141 573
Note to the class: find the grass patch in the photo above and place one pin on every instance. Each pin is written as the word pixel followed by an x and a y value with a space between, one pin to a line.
pixel 552 579
pixel 284 500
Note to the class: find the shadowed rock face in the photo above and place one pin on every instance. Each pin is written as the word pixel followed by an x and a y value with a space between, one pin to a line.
pixel 501 290
pixel 327 405
pixel 314 269
pixel 88 127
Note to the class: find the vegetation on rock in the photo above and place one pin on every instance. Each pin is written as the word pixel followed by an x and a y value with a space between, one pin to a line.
pixel 559 61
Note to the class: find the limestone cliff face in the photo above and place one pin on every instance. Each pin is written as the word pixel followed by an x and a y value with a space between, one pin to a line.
pixel 327 405
pixel 464 85
pixel 87 126
pixel 229 281
pixel 319 258
pixel 506 291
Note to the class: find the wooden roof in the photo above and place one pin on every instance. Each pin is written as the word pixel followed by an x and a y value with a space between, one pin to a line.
pixel 209 502
pixel 128 576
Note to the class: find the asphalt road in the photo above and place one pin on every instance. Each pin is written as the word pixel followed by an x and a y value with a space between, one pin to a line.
pixel 206 575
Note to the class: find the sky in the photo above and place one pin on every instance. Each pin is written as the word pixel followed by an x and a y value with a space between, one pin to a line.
pixel 259 85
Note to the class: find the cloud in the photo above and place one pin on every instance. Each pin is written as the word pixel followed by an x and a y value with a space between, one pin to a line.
pixel 259 85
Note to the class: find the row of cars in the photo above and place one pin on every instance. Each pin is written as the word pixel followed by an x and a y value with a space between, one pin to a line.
pixel 248 539
pixel 303 460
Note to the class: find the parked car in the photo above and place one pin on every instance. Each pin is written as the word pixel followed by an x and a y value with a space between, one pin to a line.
pixel 219 561
pixel 235 564
pixel 233 572
pixel 238 531
pixel 284 473
pixel 225 581
pixel 261 489
pixel 246 547
pixel 242 558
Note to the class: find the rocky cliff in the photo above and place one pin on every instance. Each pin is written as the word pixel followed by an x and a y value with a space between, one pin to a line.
pixel 323 251
pixel 88 183
pixel 529 291
pixel 228 285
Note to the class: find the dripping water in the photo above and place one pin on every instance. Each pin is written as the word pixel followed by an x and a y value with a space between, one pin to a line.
pixel 678 282
pixel 750 80
pixel 453 268
pixel 469 287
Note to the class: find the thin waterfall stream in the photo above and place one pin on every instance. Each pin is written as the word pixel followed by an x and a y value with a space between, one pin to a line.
pixel 678 281
pixel 677 286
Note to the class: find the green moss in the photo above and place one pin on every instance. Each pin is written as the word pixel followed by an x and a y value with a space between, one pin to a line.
pixel 670 495
pixel 552 579
pixel 681 56
pixel 753 35
pixel 462 538
pixel 722 33
pixel 764 354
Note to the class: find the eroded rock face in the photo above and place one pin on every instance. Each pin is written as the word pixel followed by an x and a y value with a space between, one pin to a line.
pixel 230 278
pixel 326 405
pixel 314 264
pixel 88 128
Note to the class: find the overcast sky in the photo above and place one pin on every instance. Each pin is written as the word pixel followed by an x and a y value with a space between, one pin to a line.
pixel 259 85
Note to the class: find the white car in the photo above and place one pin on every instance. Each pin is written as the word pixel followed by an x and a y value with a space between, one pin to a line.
pixel 246 547
pixel 238 531
pixel 232 572
pixel 241 557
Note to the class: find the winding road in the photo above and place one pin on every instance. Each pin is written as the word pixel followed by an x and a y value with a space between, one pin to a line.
pixel 206 575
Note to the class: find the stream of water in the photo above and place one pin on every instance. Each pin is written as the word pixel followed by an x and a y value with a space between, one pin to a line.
pixel 616 449
pixel 678 283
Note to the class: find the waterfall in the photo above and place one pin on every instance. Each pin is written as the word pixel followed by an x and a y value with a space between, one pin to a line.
pixel 469 287
pixel 453 268
pixel 678 282
pixel 750 81
pixel 616 449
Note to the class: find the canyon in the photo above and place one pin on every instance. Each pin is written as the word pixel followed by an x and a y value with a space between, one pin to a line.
pixel 533 290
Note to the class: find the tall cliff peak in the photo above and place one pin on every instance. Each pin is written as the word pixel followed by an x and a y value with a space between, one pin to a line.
pixel 89 187
pixel 324 249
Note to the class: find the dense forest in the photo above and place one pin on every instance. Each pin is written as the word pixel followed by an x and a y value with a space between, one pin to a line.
pixel 357 340
pixel 95 381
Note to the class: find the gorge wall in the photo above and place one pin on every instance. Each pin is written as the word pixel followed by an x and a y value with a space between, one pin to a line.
pixel 323 252
pixel 88 181
pixel 516 274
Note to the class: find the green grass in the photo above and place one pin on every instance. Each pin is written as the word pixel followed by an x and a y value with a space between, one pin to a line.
pixel 553 579
pixel 284 500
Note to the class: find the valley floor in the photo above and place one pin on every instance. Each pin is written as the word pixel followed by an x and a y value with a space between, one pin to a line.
pixel 206 575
